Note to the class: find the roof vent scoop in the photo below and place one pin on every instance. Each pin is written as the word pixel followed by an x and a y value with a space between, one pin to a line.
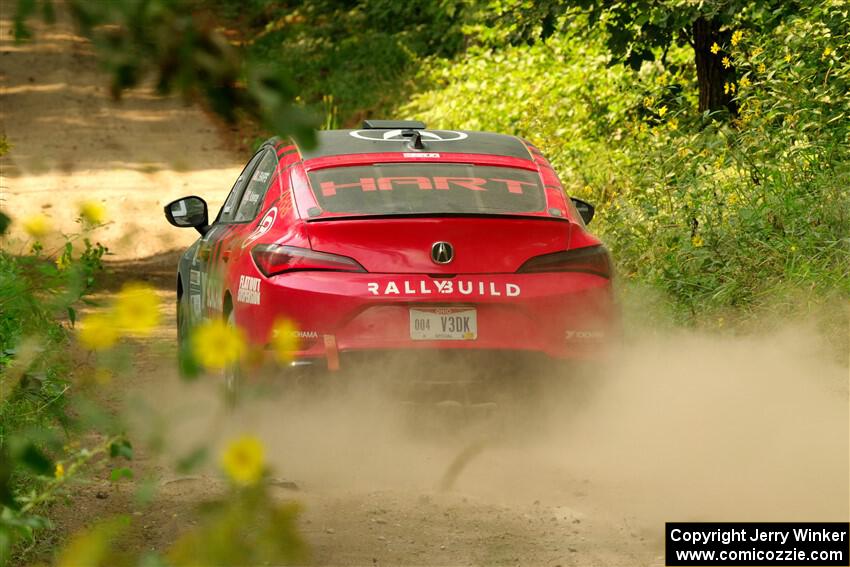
pixel 415 139
pixel 393 125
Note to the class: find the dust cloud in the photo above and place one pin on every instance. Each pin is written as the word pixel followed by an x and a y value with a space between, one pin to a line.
pixel 677 427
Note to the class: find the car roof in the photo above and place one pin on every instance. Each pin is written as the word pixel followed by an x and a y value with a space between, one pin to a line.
pixel 414 140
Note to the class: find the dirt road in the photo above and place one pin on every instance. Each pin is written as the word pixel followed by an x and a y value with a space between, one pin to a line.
pixel 681 427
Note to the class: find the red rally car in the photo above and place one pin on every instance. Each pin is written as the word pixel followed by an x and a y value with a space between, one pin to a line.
pixel 398 238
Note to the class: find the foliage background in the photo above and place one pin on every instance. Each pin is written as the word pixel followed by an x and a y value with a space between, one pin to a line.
pixel 720 216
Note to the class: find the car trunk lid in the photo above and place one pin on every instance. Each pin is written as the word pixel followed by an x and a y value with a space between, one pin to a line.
pixel 477 244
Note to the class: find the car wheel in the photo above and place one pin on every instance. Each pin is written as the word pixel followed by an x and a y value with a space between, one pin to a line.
pixel 232 374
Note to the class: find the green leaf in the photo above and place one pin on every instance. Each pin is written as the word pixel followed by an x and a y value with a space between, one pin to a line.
pixel 187 363
pixel 7 497
pixel 121 448
pixel 72 315
pixel 118 474
pixel 36 460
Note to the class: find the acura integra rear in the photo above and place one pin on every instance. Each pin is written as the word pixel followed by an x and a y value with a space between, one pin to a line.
pixel 395 238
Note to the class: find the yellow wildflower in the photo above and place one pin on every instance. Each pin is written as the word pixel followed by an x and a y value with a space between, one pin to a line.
pixel 662 111
pixel 737 37
pixel 733 198
pixel 137 309
pixel 793 248
pixel 715 48
pixel 697 241
pixel 757 51
pixel 216 344
pixel 826 53
pixel 284 339
pixel 725 88
pixel 673 124
pixel 684 152
pixel 744 82
pixel 787 57
pixel 726 62
pixel 37 225
pixel 647 101
pixel 59 473
pixel 762 68
pixel 244 460
pixel 92 212
pixel 62 262
pixel 98 332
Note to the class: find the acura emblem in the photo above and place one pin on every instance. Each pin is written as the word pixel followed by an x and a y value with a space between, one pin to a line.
pixel 442 252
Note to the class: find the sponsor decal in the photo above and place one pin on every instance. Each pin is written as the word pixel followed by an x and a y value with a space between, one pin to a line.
pixel 261 176
pixel 444 287
pixel 263 227
pixel 571 335
pixel 306 334
pixel 249 290
pixel 196 306
pixel 194 277
pixel 367 184
pixel 423 155
pixel 396 135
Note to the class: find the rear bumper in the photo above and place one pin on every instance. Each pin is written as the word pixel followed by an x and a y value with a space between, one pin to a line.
pixel 568 316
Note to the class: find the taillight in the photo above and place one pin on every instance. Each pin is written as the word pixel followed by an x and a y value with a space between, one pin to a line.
pixel 591 260
pixel 274 259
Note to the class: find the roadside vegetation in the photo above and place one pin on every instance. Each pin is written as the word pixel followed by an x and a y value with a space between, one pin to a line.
pixel 718 160
pixel 727 208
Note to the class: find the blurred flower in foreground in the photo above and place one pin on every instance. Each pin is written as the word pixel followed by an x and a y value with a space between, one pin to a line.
pixel 103 376
pixel 92 212
pixel 697 241
pixel 36 225
pixel 98 332
pixel 216 344
pixel 137 309
pixel 284 339
pixel 244 460
pixel 59 473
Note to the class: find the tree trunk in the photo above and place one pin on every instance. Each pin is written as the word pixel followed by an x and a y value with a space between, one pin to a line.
pixel 711 75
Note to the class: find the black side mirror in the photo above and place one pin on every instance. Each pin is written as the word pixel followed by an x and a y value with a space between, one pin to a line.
pixel 188 212
pixel 585 209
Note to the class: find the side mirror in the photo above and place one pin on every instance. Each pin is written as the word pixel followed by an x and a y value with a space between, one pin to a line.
pixel 188 212
pixel 585 209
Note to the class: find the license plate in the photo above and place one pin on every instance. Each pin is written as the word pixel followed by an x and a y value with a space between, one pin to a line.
pixel 444 323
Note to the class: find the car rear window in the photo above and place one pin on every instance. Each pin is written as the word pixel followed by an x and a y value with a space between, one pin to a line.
pixel 427 188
